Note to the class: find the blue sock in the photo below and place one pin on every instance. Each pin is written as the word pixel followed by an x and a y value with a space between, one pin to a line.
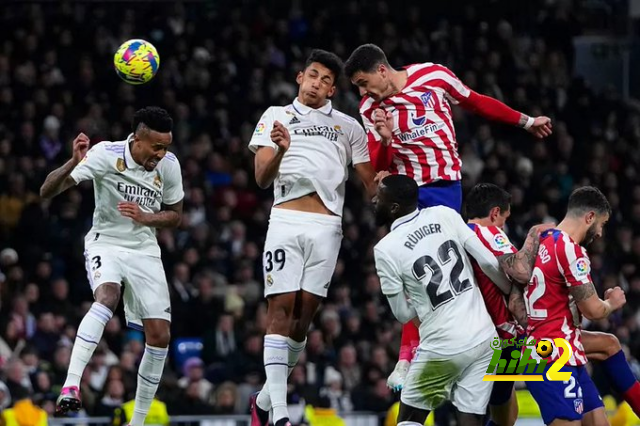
pixel 491 423
pixel 618 372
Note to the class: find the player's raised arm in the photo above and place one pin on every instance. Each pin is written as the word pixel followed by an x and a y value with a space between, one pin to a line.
pixel 520 265
pixel 491 108
pixel 379 136
pixel 270 141
pixel 60 179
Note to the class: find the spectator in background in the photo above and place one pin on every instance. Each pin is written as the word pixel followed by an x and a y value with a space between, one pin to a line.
pixel 193 370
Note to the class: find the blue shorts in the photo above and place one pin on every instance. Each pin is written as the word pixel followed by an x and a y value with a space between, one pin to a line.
pixel 568 400
pixel 441 193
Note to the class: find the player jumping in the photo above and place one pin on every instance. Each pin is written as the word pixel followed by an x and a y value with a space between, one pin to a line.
pixel 559 294
pixel 424 258
pixel 304 150
pixel 409 124
pixel 138 188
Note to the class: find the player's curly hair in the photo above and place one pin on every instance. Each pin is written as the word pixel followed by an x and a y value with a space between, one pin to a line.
pixel 328 59
pixel 588 198
pixel 154 118
pixel 483 198
pixel 365 58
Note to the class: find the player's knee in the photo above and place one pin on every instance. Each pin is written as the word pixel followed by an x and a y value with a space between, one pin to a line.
pixel 108 294
pixel 158 337
pixel 612 344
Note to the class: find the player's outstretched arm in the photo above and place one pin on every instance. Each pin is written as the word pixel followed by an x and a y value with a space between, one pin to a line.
pixel 60 179
pixel 267 161
pixel 519 265
pixel 169 217
pixel 591 306
pixel 493 109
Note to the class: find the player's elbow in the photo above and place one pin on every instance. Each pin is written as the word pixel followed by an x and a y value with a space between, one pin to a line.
pixel 46 193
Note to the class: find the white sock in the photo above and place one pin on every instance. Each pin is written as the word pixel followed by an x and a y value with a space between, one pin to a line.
pixel 87 339
pixel 275 366
pixel 409 424
pixel 149 375
pixel 294 349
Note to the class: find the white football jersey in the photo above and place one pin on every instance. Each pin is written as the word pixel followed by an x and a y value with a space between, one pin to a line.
pixel 117 177
pixel 324 142
pixel 424 257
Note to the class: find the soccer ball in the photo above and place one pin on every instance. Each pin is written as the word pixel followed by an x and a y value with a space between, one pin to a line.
pixel 136 61
pixel 544 348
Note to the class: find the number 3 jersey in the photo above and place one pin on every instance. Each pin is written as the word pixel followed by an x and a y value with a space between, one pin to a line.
pixel 116 178
pixel 424 256
pixel 551 310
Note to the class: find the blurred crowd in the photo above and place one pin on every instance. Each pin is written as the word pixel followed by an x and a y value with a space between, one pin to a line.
pixel 222 64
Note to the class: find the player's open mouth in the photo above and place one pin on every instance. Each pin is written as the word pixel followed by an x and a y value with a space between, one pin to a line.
pixel 152 163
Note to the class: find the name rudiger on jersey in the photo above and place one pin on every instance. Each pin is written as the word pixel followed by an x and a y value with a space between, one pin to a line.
pixel 521 361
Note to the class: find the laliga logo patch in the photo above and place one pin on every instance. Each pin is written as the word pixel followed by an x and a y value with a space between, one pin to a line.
pixel 260 128
pixel 582 267
pixel 500 240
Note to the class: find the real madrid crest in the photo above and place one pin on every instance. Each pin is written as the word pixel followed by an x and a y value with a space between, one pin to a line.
pixel 269 280
pixel 120 165
pixel 157 181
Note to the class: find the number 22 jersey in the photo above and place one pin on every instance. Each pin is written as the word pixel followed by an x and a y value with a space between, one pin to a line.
pixel 551 311
pixel 424 256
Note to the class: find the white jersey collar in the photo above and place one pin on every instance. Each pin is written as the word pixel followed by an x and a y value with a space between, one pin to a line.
pixel 404 219
pixel 304 110
pixel 128 158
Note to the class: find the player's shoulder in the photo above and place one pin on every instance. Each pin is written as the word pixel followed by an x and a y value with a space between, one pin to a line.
pixel 387 246
pixel 109 148
pixel 440 212
pixel 368 105
pixel 169 163
pixel 344 120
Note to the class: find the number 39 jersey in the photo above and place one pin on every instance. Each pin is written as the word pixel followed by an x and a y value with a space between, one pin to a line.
pixel 424 257
pixel 551 311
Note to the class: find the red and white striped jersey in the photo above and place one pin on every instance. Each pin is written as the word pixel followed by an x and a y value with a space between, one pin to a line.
pixel 424 141
pixel 497 241
pixel 552 312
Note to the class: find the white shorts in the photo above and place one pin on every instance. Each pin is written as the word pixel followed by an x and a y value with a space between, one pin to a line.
pixel 300 252
pixel 146 292
pixel 434 379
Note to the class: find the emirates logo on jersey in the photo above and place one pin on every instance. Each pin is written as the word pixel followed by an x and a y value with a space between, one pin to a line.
pixel 328 132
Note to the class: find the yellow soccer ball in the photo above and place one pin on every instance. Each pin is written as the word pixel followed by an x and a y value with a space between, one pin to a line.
pixel 136 61
pixel 544 348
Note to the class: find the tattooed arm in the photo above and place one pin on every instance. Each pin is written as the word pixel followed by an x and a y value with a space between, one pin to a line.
pixel 516 306
pixel 519 265
pixel 591 306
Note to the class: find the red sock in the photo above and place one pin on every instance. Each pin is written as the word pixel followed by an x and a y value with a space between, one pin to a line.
pixel 409 342
pixel 632 396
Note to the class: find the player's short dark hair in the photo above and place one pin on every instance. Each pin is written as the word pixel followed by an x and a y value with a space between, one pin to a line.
pixel 483 198
pixel 328 59
pixel 365 58
pixel 401 189
pixel 586 199
pixel 155 118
